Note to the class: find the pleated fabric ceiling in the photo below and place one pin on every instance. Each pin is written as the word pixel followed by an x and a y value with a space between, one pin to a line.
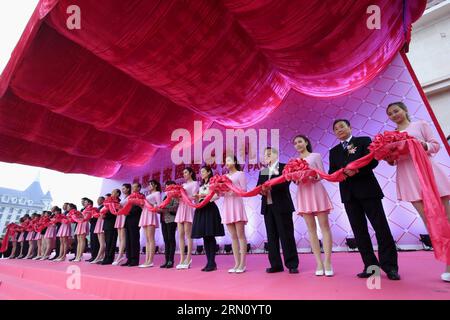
pixel 109 94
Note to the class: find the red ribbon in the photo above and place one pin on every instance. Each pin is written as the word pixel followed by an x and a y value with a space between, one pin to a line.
pixel 389 144
pixel 134 199
pixel 79 217
pixel 10 232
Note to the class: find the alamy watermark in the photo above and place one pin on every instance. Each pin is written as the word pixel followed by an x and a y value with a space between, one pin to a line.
pixel 249 143
pixel 73 281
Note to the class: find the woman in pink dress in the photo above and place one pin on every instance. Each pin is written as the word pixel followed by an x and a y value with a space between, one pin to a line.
pixel 49 237
pixel 23 223
pixel 17 240
pixel 64 233
pixel 313 201
pixel 149 222
pixel 120 225
pixel 31 234
pixel 408 186
pixel 38 235
pixel 185 216
pixel 14 238
pixel 82 229
pixel 234 215
pixel 98 230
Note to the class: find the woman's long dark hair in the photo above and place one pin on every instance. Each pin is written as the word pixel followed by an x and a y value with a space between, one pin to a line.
pixel 236 164
pixel 210 174
pixel 305 138
pixel 156 184
pixel 402 106
pixel 191 171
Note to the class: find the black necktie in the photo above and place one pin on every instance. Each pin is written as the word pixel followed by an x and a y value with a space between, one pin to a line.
pixel 345 145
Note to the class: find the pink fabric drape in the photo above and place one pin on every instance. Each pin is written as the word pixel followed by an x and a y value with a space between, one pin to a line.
pixel 110 93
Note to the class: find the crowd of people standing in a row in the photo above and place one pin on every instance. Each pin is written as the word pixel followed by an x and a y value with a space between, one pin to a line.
pixel 360 193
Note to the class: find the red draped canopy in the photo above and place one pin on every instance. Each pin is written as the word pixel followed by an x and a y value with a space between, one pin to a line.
pixel 109 94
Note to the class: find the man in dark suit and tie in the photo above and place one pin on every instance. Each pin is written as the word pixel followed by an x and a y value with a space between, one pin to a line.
pixel 361 195
pixel 93 237
pixel 133 246
pixel 110 233
pixel 277 208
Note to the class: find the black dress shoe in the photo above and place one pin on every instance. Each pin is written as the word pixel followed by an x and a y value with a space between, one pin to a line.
pixel 133 264
pixel 364 274
pixel 204 268
pixel 163 265
pixel 393 275
pixel 105 262
pixel 126 264
pixel 274 270
pixel 293 270
pixel 210 268
pixel 169 265
pixel 90 260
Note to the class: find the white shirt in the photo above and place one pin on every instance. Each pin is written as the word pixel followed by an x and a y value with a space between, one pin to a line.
pixel 272 170
pixel 204 191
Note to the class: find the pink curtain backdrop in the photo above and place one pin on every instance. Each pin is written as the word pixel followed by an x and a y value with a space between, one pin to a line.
pixel 301 114
pixel 109 95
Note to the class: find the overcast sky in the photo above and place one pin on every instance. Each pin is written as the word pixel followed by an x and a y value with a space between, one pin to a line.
pixel 14 16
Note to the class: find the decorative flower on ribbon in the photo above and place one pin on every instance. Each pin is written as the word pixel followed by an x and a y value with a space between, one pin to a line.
pixel 298 170
pixel 219 184
pixel 174 191
pixel 384 144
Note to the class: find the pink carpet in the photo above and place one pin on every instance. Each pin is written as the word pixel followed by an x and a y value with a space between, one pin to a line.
pixel 29 279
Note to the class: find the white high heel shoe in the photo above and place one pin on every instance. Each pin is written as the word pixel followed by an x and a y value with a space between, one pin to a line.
pixel 187 265
pixel 180 265
pixel 329 273
pixel 445 276
pixel 145 265
pixel 115 263
pixel 319 272
pixel 239 270
pixel 232 270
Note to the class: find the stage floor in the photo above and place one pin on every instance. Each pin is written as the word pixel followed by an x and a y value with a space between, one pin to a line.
pixel 28 279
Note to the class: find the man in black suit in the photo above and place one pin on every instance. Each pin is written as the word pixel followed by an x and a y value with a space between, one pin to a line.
pixel 110 233
pixel 93 237
pixel 277 208
pixel 361 195
pixel 133 246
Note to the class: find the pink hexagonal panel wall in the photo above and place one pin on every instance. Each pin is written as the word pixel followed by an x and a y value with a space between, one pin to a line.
pixel 300 114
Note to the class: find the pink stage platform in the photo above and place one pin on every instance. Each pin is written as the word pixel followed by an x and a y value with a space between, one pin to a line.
pixel 29 279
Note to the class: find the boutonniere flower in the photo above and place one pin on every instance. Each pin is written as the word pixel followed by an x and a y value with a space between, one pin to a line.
pixel 351 149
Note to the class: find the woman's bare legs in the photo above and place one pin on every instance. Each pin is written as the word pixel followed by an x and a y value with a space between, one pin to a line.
pixel 180 227
pixel 234 244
